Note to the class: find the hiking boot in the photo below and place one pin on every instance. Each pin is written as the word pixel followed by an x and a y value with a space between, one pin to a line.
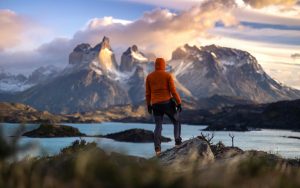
pixel 157 152
pixel 178 143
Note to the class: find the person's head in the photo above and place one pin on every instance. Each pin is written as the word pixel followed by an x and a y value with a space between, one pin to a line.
pixel 160 64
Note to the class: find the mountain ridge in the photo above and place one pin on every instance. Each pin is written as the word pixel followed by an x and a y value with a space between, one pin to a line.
pixel 94 80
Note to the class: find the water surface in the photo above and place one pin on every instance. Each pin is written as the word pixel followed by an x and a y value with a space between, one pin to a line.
pixel 265 140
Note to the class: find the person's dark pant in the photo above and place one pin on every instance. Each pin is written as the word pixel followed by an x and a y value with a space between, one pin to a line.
pixel 159 110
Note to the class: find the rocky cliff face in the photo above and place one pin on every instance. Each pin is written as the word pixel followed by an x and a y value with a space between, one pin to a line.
pixel 101 54
pixel 213 70
pixel 93 80
pixel 137 85
pixel 131 58
pixel 80 91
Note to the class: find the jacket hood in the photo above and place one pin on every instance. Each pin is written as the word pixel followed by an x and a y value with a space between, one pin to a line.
pixel 160 64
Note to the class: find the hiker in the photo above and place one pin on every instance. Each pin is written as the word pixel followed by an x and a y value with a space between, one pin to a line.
pixel 162 98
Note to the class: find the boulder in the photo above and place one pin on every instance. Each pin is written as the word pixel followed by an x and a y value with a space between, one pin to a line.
pixel 48 131
pixel 135 135
pixel 190 152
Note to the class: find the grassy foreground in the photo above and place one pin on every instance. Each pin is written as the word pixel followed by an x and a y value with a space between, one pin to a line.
pixel 85 165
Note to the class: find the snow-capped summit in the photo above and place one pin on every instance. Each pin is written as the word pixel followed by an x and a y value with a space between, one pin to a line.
pixel 131 58
pixel 92 80
pixel 213 70
pixel 42 74
pixel 10 83
pixel 99 58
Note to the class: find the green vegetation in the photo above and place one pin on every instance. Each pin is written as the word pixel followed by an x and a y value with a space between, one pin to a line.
pixel 83 164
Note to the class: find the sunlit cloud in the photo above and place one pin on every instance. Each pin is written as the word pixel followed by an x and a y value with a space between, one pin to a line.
pixel 160 31
pixel 12 28
pixel 264 3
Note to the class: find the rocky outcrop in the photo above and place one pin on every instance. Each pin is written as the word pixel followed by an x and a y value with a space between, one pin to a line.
pixel 49 131
pixel 81 53
pixel 135 135
pixel 190 152
pixel 106 57
pixel 131 58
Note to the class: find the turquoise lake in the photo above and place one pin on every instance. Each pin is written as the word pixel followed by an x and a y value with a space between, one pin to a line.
pixel 272 141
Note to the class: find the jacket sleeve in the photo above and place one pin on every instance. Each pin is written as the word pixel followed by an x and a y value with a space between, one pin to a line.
pixel 148 92
pixel 173 90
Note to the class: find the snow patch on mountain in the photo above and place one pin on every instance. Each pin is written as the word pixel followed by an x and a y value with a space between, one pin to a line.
pixel 11 86
pixel 181 67
pixel 139 56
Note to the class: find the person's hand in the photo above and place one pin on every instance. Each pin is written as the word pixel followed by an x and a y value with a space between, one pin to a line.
pixel 149 109
pixel 179 108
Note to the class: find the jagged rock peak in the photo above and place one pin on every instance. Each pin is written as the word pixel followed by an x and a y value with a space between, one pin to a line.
pixel 83 47
pixel 131 49
pixel 134 48
pixel 131 58
pixel 104 44
pixel 184 51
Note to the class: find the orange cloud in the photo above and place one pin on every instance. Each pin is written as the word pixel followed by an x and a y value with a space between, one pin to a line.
pixel 264 3
pixel 12 29
pixel 161 31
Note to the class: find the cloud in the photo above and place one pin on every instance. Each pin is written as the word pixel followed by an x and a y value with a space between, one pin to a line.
pixel 160 30
pixel 54 53
pixel 295 56
pixel 12 28
pixel 269 35
pixel 265 3
pixel 269 14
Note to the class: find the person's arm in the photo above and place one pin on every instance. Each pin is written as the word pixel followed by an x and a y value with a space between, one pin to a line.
pixel 148 92
pixel 173 90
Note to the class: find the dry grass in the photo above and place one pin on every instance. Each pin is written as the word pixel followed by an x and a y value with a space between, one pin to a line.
pixel 84 165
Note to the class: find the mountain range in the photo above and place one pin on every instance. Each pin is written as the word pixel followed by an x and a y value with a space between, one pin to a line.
pixel 93 79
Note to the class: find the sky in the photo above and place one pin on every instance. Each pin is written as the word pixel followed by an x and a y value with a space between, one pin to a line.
pixel 37 33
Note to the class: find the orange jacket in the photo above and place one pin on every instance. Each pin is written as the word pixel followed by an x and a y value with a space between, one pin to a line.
pixel 160 85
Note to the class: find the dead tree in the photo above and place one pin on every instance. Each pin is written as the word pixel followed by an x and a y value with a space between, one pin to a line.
pixel 208 137
pixel 232 139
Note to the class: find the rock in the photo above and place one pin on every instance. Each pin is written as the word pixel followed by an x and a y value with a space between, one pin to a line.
pixel 225 127
pixel 135 135
pixel 136 86
pixel 213 70
pixel 106 56
pixel 222 152
pixel 294 137
pixel 48 131
pixel 131 58
pixel 191 151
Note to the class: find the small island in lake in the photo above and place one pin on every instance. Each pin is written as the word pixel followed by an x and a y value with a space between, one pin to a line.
pixel 48 131
pixel 135 135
